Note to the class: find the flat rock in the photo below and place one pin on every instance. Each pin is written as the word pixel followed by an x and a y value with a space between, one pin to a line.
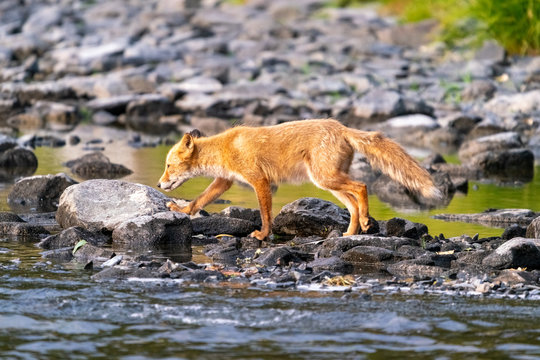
pixel 493 217
pixel 71 236
pixel 215 225
pixel 97 166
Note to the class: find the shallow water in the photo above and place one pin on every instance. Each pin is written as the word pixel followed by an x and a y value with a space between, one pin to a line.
pixel 49 311
pixel 56 311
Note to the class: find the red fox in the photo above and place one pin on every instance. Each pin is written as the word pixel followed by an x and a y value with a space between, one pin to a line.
pixel 318 150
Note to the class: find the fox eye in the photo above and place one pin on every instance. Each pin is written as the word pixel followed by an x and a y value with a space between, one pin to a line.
pixel 168 165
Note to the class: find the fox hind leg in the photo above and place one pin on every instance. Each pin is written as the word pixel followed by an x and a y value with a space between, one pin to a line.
pixel 352 194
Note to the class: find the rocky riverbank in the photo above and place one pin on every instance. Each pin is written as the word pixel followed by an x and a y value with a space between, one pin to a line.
pixel 163 67
pixel 124 231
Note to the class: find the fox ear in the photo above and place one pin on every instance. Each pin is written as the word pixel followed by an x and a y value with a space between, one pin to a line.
pixel 187 142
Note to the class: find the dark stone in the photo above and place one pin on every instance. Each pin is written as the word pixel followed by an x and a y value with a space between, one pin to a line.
pixel 71 236
pixel 411 268
pixel 165 230
pixel 518 252
pixel 367 254
pixel 22 229
pixel 95 166
pixel 278 256
pixel 515 230
pixel 310 216
pixel 405 228
pixel 225 252
pixel 507 166
pixel 337 246
pixel 40 193
pixel 9 217
pixel 15 161
pixel 253 215
pixel 215 225
pixel 333 264
pixel 90 253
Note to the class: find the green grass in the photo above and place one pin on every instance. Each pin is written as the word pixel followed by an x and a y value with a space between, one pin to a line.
pixel 514 24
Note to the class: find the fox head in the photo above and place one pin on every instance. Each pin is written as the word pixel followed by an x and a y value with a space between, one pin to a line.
pixel 179 164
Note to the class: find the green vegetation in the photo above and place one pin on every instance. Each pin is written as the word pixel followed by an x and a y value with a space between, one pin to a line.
pixel 514 24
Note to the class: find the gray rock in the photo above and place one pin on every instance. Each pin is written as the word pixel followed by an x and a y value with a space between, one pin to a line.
pixel 6 216
pixel 41 192
pixel 533 230
pixel 200 84
pixel 481 90
pixel 253 215
pixel 493 217
pixel 15 161
pixel 89 253
pixel 518 252
pixel 101 205
pixel 512 104
pixel 215 225
pixel 378 105
pixel 278 256
pixel 404 228
pixel 97 166
pixel 367 254
pixel 71 236
pixel 497 142
pixel 337 246
pixel 491 51
pixel 23 229
pixel 333 264
pixel 165 230
pixel 144 113
pixel 310 216
pixel 507 166
pixel 411 268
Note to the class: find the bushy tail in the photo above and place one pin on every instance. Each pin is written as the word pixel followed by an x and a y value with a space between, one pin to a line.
pixel 392 160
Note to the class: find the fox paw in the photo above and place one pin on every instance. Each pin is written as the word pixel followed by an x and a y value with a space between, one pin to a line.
pixel 258 235
pixel 173 207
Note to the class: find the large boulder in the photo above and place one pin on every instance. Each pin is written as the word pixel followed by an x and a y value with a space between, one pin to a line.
pixel 40 192
pixel 101 205
pixel 170 230
pixel 310 216
pixel 71 236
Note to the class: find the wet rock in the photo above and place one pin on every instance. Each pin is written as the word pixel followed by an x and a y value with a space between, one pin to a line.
pixel 533 229
pixel 71 236
pixel 278 256
pixel 518 252
pixel 226 251
pixel 237 212
pixel 41 192
pixel 337 246
pixel 310 216
pixel 15 160
pixel 215 225
pixel 515 230
pixel 28 93
pixel 367 254
pixel 95 166
pixel 333 264
pixel 165 230
pixel 491 143
pixel 101 205
pixel 515 277
pixel 404 228
pixel 22 229
pixel 493 217
pixel 417 269
pixel 507 166
pixel 9 217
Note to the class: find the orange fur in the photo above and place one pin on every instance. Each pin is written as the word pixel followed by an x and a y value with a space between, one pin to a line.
pixel 318 150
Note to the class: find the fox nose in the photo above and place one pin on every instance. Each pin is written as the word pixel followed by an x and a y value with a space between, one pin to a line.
pixel 159 185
